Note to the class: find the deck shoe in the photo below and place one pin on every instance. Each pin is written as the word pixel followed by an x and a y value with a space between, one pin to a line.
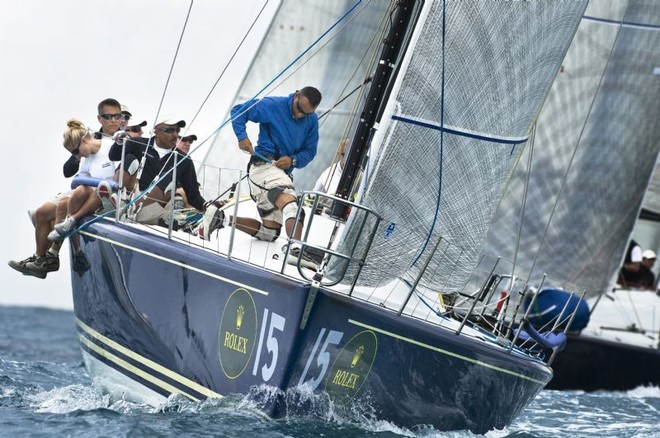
pixel 80 263
pixel 65 226
pixel 306 260
pixel 42 265
pixel 20 265
pixel 62 229
pixel 213 220
pixel 103 190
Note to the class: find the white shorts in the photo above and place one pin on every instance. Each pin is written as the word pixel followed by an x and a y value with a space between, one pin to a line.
pixel 267 182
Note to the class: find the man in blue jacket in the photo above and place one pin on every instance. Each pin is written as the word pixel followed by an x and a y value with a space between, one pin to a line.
pixel 288 137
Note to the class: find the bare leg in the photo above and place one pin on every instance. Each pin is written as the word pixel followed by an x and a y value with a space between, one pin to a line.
pixel 44 217
pixel 78 198
pixel 89 205
pixel 156 195
pixel 248 225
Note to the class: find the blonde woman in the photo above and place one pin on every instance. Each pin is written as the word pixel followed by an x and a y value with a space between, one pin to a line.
pixel 94 163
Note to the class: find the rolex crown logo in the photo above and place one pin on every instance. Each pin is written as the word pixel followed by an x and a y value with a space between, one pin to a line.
pixel 240 312
pixel 357 355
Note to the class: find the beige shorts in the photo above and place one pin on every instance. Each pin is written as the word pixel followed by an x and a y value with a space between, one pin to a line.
pixel 267 182
pixel 57 198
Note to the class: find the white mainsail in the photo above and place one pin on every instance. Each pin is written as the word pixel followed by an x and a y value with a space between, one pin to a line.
pixel 473 81
pixel 599 122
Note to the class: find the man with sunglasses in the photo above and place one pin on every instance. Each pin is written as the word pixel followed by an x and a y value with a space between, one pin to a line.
pixel 160 153
pixel 288 137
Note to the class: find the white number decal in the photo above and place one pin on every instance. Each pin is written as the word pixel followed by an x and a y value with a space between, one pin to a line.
pixel 277 322
pixel 322 359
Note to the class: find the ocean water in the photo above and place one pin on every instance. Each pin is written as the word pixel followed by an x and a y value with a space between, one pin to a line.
pixel 45 391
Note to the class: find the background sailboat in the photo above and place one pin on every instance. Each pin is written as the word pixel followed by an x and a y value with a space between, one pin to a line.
pixel 578 189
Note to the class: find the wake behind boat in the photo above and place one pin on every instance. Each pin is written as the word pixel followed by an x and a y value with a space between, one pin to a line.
pixel 453 91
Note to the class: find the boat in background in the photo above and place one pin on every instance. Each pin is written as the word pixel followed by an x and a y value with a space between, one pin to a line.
pixel 456 88
pixel 594 155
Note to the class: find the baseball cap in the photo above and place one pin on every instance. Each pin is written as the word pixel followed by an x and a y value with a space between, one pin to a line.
pixel 141 124
pixel 648 254
pixel 168 119
pixel 189 138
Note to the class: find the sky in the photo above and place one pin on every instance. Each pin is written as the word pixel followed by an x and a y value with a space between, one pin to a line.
pixel 61 58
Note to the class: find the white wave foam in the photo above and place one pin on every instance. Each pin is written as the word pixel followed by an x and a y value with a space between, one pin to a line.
pixel 645 391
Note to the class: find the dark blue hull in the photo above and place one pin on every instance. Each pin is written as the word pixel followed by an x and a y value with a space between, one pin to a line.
pixel 179 319
pixel 592 364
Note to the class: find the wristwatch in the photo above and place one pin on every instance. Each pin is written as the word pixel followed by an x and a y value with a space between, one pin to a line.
pixel 294 161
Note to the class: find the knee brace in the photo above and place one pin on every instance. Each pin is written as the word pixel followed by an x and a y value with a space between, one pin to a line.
pixel 289 212
pixel 267 234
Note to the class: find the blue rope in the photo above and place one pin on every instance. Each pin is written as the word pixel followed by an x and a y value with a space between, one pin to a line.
pixel 442 137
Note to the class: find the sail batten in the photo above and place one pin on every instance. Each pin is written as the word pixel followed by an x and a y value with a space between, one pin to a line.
pixel 458 131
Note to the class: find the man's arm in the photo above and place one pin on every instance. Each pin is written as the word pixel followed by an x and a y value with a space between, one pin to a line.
pixel 190 184
pixel 134 146
pixel 307 152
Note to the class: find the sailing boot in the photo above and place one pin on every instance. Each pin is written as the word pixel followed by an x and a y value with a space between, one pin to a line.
pixel 80 264
pixel 42 265
pixel 20 265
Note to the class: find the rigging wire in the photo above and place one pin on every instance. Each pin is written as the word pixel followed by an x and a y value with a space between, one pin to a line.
pixel 162 98
pixel 231 59
pixel 176 54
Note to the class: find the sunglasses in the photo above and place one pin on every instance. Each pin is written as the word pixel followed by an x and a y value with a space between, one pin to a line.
pixel 170 130
pixel 117 116
pixel 299 108
pixel 134 129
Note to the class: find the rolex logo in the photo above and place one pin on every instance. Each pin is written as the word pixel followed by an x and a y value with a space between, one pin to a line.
pixel 240 312
pixel 357 355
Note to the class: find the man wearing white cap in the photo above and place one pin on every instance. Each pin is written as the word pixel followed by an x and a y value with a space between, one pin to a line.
pixel 159 161
pixel 646 275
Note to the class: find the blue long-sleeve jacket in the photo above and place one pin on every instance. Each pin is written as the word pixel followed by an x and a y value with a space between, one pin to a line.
pixel 280 134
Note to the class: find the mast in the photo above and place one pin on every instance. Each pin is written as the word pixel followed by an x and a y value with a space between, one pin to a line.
pixel 393 44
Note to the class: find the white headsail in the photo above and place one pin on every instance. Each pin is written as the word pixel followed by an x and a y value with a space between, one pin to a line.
pixel 594 153
pixel 471 85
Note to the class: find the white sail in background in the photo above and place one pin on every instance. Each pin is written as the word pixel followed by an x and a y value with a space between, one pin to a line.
pixel 474 79
pixel 340 60
pixel 603 108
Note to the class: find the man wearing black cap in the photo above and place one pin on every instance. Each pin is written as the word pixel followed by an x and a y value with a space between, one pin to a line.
pixel 136 130
pixel 159 162
pixel 184 143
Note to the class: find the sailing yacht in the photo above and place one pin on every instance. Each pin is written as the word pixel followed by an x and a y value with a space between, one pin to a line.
pixel 438 105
